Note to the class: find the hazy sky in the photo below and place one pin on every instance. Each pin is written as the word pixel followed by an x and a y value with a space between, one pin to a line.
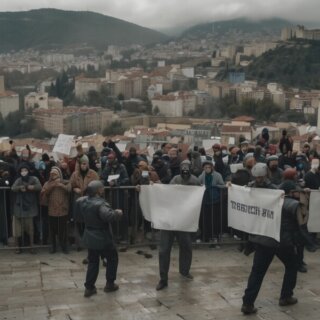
pixel 169 13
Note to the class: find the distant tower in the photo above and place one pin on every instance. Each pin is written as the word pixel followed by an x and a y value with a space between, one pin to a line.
pixel 213 28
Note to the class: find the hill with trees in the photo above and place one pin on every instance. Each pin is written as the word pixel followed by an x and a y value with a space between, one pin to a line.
pixel 52 29
pixel 293 64
pixel 241 25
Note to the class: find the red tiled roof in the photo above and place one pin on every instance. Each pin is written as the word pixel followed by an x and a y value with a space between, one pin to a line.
pixel 8 93
pixel 244 118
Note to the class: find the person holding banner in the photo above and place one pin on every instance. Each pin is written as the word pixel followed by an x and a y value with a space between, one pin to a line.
pixel 184 238
pixel 265 250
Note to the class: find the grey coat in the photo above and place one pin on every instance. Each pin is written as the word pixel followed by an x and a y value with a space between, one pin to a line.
pixel 216 181
pixel 191 181
pixel 97 216
pixel 26 203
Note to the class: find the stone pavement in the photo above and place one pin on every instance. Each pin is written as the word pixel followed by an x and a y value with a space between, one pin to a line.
pixel 44 286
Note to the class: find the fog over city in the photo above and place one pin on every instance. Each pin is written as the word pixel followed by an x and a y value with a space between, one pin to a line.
pixel 166 14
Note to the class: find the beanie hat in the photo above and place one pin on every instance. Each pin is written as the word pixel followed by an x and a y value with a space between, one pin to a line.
pixel 207 162
pixel 289 185
pixel 272 158
pixel 185 165
pixel 57 171
pixel 289 174
pixel 143 165
pixel 259 170
pixel 83 159
pixel 248 156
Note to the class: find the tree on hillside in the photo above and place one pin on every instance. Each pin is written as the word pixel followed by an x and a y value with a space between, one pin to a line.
pixel 16 123
pixel 113 129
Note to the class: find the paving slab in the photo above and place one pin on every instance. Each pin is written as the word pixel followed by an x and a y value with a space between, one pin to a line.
pixel 50 287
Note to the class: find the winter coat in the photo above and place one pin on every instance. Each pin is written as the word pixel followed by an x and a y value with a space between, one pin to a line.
pixel 77 181
pixel 191 181
pixel 212 192
pixel 26 203
pixel 288 230
pixel 275 177
pixel 137 177
pixel 57 197
pixel 97 216
pixel 120 170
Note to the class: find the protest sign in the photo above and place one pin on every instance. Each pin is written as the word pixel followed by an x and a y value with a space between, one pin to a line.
pixel 256 211
pixel 64 144
pixel 172 207
pixel 113 177
pixel 314 211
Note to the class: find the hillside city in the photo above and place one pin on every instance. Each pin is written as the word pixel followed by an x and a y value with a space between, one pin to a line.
pixel 147 176
pixel 188 91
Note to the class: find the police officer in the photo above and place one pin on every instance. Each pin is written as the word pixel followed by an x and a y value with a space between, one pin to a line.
pixel 97 216
pixel 267 248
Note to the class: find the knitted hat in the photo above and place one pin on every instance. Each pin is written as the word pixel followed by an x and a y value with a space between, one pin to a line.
pixel 207 162
pixel 259 170
pixel 272 158
pixel 289 174
pixel 185 165
pixel 57 171
pixel 84 159
pixel 143 165
pixel 289 185
pixel 248 156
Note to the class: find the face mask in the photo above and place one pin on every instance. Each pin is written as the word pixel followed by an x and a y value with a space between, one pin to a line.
pixel 185 173
pixel 244 150
pixel 224 152
pixel 144 174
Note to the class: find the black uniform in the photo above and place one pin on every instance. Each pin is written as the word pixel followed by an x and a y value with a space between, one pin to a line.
pixel 97 237
pixel 267 248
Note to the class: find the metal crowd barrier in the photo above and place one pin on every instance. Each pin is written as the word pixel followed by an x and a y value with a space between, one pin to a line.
pixel 131 230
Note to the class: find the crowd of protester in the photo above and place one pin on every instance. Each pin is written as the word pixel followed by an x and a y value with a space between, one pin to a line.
pixel 40 195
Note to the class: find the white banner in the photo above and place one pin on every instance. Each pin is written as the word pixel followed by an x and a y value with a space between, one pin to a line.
pixel 314 211
pixel 256 211
pixel 64 144
pixel 172 207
